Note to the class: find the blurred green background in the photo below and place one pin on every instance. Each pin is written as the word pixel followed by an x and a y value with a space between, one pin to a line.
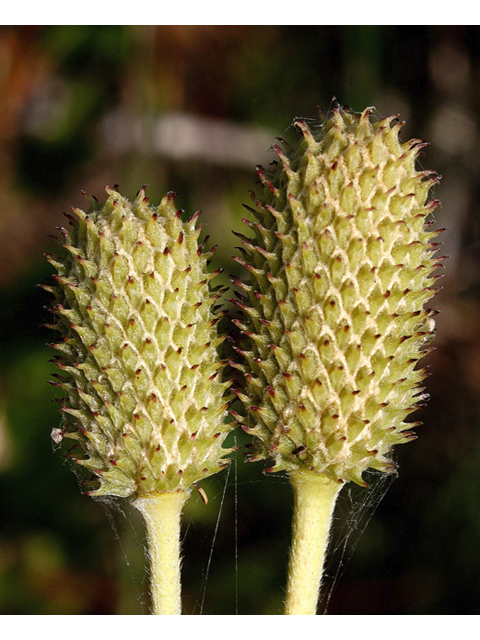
pixel 193 109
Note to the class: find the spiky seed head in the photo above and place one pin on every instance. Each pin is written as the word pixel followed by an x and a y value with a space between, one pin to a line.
pixel 139 348
pixel 332 319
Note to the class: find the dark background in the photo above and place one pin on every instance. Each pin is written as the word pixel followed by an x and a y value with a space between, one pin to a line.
pixel 193 109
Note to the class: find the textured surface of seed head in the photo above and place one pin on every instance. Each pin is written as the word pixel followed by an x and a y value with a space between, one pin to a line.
pixel 332 320
pixel 139 349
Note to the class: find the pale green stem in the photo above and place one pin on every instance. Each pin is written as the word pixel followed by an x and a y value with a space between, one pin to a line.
pixel 314 501
pixel 162 515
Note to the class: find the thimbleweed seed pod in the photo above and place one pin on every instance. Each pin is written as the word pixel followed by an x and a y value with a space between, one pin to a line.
pixel 332 318
pixel 140 368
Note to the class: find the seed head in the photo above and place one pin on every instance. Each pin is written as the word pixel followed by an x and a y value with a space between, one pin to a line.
pixel 332 319
pixel 139 348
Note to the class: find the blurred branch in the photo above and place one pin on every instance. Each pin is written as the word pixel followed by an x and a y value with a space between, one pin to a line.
pixel 186 136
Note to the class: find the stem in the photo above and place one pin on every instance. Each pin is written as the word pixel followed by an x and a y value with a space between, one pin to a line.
pixel 314 501
pixel 162 515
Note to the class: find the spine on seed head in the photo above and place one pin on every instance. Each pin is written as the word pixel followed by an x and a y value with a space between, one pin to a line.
pixel 144 396
pixel 331 320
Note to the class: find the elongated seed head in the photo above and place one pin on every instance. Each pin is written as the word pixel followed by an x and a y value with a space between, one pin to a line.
pixel 332 319
pixel 138 348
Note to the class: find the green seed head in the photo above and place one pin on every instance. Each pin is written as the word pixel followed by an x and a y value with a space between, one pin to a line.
pixel 138 348
pixel 332 320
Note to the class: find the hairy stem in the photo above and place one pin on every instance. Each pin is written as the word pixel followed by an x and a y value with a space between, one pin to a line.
pixel 162 515
pixel 314 501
